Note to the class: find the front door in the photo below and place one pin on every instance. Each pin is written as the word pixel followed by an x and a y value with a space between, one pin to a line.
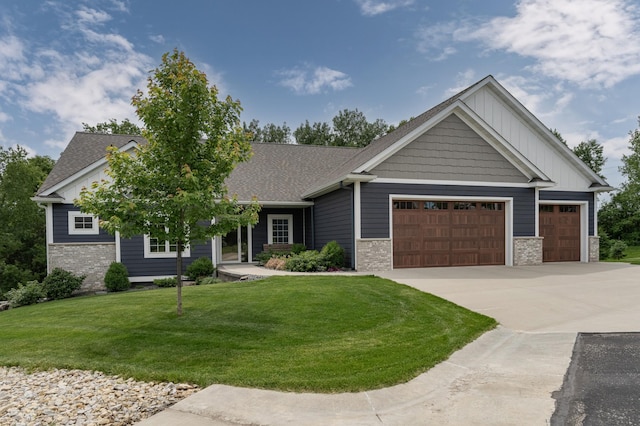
pixel 234 247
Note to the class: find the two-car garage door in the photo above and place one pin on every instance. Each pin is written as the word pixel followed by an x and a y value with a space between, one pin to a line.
pixel 448 233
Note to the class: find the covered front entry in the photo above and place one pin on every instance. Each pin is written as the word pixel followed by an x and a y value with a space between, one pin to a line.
pixel 448 233
pixel 560 228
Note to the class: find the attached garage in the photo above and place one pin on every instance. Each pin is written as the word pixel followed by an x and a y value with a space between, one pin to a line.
pixel 448 233
pixel 560 228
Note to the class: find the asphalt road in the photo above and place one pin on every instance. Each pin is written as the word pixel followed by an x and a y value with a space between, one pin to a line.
pixel 602 384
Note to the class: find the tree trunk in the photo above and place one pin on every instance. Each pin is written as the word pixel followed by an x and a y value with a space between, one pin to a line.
pixel 179 276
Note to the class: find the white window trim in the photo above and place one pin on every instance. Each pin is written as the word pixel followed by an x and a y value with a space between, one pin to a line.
pixel 95 229
pixel 271 218
pixel 186 252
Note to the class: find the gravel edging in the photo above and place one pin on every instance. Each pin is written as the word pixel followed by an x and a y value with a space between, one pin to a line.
pixel 77 397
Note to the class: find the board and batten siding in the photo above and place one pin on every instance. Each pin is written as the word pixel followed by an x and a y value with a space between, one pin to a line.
pixel 565 196
pixel 375 204
pixel 451 150
pixel 61 227
pixel 528 141
pixel 132 256
pixel 333 220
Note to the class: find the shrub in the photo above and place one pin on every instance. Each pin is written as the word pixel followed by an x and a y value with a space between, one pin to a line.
pixel 605 244
pixel 307 261
pixel 117 277
pixel 166 282
pixel 278 263
pixel 263 257
pixel 298 248
pixel 11 276
pixel 332 255
pixel 60 284
pixel 617 250
pixel 199 268
pixel 25 294
pixel 209 280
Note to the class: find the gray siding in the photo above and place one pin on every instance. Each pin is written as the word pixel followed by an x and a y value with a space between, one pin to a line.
pixel 450 151
pixel 61 228
pixel 375 204
pixel 573 196
pixel 132 256
pixel 333 220
pixel 259 233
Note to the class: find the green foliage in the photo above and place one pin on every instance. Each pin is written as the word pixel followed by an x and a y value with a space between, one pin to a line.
pixel 166 282
pixel 209 280
pixel 174 185
pixel 60 284
pixel 263 257
pixel 112 127
pixel 117 277
pixel 591 153
pixel 350 128
pixel 617 249
pixel 200 268
pixel 22 234
pixel 298 248
pixel 25 294
pixel 307 261
pixel 270 133
pixel 316 134
pixel 332 255
pixel 605 244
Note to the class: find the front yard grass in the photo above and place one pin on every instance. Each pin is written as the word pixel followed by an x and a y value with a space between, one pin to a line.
pixel 302 333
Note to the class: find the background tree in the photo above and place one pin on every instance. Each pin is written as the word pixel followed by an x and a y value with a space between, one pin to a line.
pixel 22 234
pixel 619 218
pixel 270 133
pixel 591 153
pixel 351 128
pixel 316 134
pixel 112 127
pixel 173 187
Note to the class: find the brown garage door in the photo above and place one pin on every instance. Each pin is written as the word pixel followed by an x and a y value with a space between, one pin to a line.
pixel 447 233
pixel 560 227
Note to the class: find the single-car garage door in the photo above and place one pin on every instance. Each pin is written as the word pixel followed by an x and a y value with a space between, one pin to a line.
pixel 560 228
pixel 447 233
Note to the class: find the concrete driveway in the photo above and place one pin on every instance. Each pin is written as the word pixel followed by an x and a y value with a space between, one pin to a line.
pixel 506 377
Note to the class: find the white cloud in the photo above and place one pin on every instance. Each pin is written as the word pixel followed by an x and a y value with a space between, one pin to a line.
pixel 89 16
pixel 437 40
pixel 158 38
pixel 593 43
pixel 377 7
pixel 308 81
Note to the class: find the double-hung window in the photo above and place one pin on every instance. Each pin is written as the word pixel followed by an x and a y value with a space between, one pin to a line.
pixel 155 247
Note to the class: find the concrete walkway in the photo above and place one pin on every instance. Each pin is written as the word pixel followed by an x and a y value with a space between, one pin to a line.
pixel 505 377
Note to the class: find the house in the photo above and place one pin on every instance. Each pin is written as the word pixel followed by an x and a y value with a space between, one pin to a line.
pixel 476 180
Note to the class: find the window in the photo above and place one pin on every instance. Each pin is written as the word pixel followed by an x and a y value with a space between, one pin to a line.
pixel 83 224
pixel 280 228
pixel 405 205
pixel 155 247
pixel 436 205
pixel 464 206
pixel 568 209
pixel 546 208
pixel 491 206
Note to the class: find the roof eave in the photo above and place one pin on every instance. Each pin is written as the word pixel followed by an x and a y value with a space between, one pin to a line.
pixel 337 183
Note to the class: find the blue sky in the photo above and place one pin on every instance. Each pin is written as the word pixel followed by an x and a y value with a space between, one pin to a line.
pixel 575 64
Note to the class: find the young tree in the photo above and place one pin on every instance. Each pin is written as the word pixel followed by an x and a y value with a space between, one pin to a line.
pixel 173 187
pixel 112 127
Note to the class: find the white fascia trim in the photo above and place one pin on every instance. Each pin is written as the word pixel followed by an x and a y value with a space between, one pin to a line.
pixel 280 203
pixel 90 168
pixel 463 183
pixel 499 143
pixel 118 247
pixel 335 184
pixel 584 223
pixel 151 278
pixel 406 139
pixel 47 200
pixel 508 215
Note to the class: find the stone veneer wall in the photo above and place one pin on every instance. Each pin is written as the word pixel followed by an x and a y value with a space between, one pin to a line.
pixel 374 254
pixel 527 251
pixel 90 259
pixel 594 249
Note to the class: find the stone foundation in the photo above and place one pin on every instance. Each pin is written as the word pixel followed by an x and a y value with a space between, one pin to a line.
pixel 527 251
pixel 374 254
pixel 594 249
pixel 92 260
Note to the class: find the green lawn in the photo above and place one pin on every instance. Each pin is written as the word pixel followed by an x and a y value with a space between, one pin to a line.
pixel 632 256
pixel 310 333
